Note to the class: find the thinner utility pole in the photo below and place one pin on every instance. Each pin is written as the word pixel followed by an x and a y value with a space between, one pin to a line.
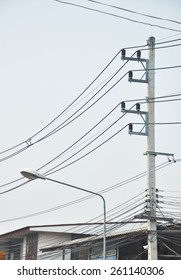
pixel 151 187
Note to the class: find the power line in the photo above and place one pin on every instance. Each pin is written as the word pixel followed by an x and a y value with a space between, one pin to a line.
pixel 160 123
pixel 145 47
pixel 117 16
pixel 105 130
pixel 170 46
pixel 81 157
pixel 51 161
pixel 133 100
pixel 169 41
pixel 65 123
pixel 62 125
pixel 175 94
pixel 86 134
pixel 119 209
pixel 14 188
pixel 163 101
pixel 83 136
pixel 168 37
pixel 29 142
pixel 14 181
pixel 14 154
pixel 158 68
pixel 76 202
pixel 155 99
pixel 134 12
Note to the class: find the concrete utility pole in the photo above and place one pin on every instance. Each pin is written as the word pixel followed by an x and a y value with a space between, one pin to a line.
pixel 148 130
pixel 151 188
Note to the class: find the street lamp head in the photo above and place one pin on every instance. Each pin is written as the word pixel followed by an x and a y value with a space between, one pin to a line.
pixel 31 174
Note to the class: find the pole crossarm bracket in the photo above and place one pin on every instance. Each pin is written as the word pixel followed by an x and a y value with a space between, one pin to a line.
pixel 144 116
pixel 144 62
pixel 153 218
pixel 160 154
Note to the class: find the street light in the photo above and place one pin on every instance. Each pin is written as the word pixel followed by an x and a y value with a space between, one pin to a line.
pixel 32 174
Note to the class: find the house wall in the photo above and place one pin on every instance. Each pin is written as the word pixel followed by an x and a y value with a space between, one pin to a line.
pixel 23 252
pixel 50 239
pixel 21 249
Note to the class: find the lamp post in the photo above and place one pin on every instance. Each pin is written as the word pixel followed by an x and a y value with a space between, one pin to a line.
pixel 32 174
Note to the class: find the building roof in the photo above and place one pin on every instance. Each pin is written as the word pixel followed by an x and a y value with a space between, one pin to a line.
pixel 72 228
pixel 95 238
pixel 18 233
pixel 133 234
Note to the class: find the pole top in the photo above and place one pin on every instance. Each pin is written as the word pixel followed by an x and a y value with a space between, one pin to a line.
pixel 151 41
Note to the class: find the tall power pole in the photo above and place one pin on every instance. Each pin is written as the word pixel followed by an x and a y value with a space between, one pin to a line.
pixel 149 131
pixel 151 187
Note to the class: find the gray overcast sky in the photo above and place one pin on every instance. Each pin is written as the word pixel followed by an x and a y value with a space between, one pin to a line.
pixel 49 53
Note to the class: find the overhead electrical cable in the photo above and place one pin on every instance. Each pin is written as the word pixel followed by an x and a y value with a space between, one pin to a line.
pixel 9 183
pixel 83 136
pixel 117 16
pixel 29 142
pixel 14 188
pixel 137 256
pixel 64 124
pixel 105 130
pixel 158 68
pixel 111 212
pixel 112 221
pixel 86 133
pixel 134 12
pixel 169 100
pixel 169 41
pixel 168 37
pixel 95 230
pixel 159 123
pixel 67 205
pixel 68 107
pixel 94 80
pixel 155 99
pixel 19 179
pixel 14 154
pixel 169 46
pixel 133 100
pixel 21 150
pixel 89 144
pixel 145 46
pixel 134 178
pixel 89 152
pixel 143 101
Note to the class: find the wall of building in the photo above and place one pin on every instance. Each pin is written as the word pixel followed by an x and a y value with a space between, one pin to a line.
pixel 50 239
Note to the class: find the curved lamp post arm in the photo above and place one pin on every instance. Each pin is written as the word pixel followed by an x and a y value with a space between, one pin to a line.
pixel 31 174
pixel 94 193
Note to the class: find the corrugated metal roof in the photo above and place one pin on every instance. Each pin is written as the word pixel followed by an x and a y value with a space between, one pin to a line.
pixel 91 239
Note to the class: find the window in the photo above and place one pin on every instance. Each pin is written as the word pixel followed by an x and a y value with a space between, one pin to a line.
pixel 31 246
